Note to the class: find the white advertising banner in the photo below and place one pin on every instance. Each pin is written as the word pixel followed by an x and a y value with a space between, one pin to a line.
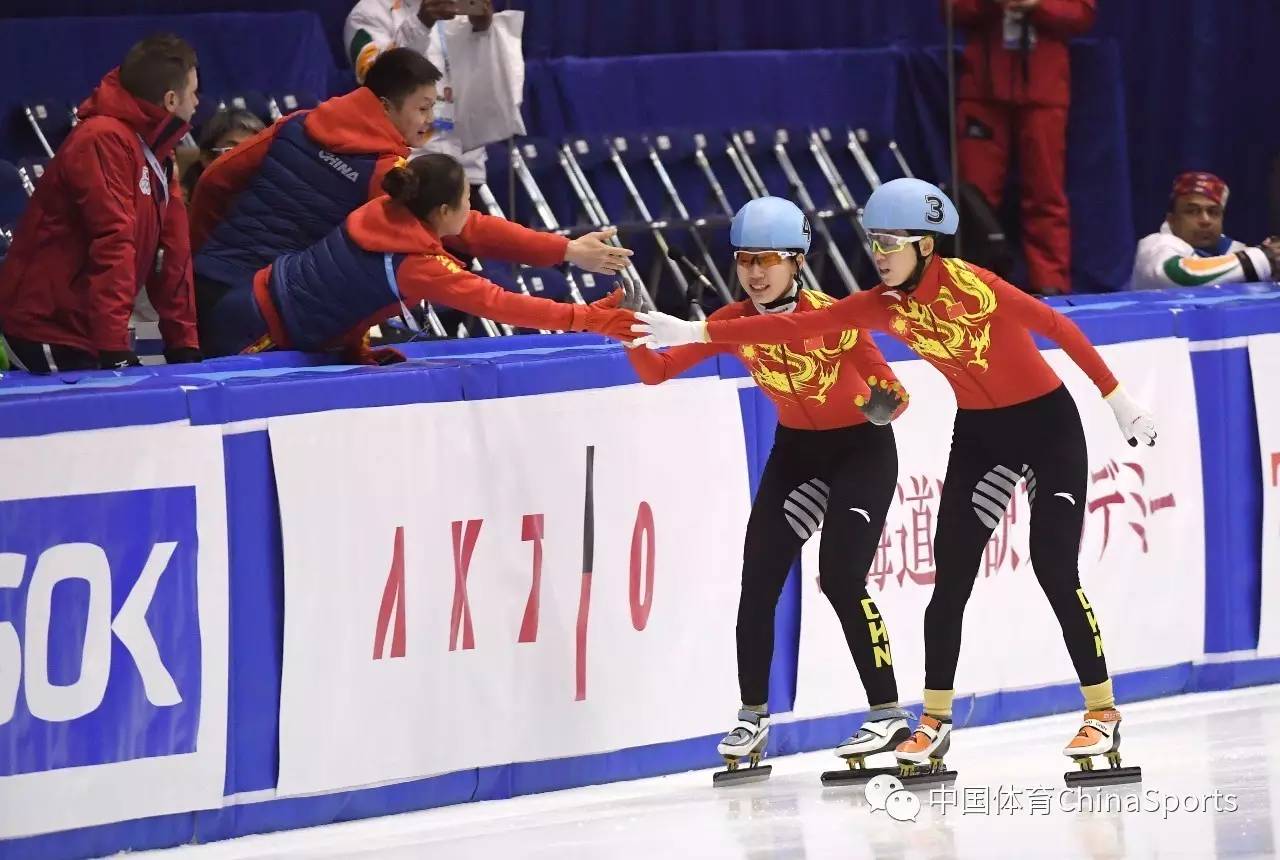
pixel 1264 362
pixel 524 579
pixel 1141 557
pixel 113 626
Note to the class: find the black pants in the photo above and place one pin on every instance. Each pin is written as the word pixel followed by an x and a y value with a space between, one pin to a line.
pixel 1042 442
pixel 35 357
pixel 842 480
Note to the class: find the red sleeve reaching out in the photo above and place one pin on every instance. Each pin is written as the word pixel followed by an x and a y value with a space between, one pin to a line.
pixel 437 278
pixel 499 239
pixel 655 367
pixel 1042 319
pixel 860 310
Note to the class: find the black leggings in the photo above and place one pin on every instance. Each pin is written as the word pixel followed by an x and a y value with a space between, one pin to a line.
pixel 1042 442
pixel 847 477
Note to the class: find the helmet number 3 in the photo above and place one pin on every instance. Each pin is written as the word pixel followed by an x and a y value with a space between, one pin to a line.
pixel 934 215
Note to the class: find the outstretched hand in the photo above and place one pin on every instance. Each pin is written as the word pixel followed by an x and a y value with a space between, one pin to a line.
pixel 593 253
pixel 626 297
pixel 657 329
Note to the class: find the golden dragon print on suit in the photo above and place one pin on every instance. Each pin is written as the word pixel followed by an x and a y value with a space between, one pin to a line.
pixel 806 375
pixel 945 329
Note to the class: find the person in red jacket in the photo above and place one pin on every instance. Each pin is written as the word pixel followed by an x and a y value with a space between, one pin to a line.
pixel 107 219
pixel 1015 422
pixel 396 250
pixel 1014 90
pixel 833 467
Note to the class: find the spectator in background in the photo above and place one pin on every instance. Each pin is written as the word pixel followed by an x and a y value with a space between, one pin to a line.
pixel 1190 249
pixel 285 188
pixel 375 26
pixel 1016 84
pixel 107 218
pixel 225 130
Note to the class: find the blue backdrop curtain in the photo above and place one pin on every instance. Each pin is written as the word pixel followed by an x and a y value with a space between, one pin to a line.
pixel 1197 75
pixel 1194 77
pixel 65 58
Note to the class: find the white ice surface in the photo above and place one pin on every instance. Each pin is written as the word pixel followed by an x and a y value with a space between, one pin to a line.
pixel 1190 746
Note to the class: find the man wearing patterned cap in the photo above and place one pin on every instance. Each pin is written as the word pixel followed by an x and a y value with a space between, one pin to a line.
pixel 1191 250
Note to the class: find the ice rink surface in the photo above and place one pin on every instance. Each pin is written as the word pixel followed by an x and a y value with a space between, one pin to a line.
pixel 1211 788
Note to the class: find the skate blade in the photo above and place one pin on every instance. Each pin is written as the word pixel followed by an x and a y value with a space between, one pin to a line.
pixel 741 776
pixel 856 776
pixel 1104 776
pixel 927 779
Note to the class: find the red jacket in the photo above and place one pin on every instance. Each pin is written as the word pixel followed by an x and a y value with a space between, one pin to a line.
pixel 352 124
pixel 92 235
pixel 296 285
pixel 816 384
pixel 993 73
pixel 965 321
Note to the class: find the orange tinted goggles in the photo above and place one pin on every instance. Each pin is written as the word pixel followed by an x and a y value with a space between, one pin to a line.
pixel 766 259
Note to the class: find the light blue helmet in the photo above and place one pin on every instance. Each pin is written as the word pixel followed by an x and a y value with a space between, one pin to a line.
pixel 770 224
pixel 912 205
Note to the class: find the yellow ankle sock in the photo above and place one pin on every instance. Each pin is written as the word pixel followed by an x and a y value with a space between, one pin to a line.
pixel 937 703
pixel 1098 697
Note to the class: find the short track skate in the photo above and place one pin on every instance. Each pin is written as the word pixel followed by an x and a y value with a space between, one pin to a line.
pixel 920 757
pixel 882 731
pixel 746 742
pixel 1099 735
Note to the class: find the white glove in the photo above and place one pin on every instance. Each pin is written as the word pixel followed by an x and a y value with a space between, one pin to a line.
pixel 659 329
pixel 1134 419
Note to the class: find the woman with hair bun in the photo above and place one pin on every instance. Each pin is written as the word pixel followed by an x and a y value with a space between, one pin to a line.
pixel 392 252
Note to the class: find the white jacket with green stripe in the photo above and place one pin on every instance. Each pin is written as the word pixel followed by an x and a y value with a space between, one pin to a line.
pixel 1164 260
pixel 375 26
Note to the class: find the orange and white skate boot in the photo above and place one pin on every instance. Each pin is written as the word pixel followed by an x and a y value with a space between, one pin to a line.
pixel 922 753
pixel 1099 734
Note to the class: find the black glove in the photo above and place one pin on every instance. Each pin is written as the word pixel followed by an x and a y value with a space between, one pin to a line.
pixel 183 355
pixel 111 359
pixel 888 400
